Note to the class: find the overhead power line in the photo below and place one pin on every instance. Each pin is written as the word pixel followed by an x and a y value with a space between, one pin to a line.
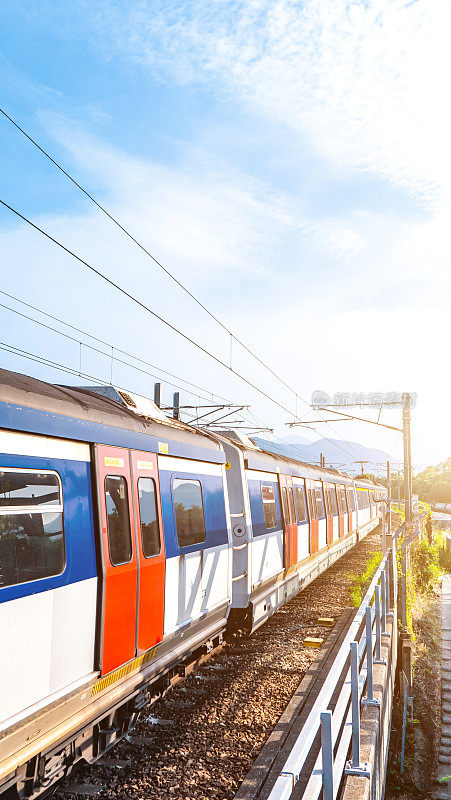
pixel 145 307
pixel 112 349
pixel 157 316
pixel 149 254
pixel 158 263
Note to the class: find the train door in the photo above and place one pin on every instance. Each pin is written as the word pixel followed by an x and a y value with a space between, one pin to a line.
pixel 290 522
pixel 350 499
pixel 120 567
pixel 333 496
pixel 329 517
pixel 341 511
pixel 372 505
pixel 321 514
pixel 151 554
pixel 313 517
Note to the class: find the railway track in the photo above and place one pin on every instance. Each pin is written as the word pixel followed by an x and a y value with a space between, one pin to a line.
pixel 201 739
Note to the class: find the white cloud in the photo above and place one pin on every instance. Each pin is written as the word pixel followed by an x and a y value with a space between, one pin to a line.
pixel 367 82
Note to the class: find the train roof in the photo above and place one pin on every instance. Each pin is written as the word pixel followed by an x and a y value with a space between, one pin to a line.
pixel 84 414
pixel 257 458
pixel 266 461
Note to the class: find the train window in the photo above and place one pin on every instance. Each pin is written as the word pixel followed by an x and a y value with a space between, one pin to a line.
pixel 326 501
pixel 189 512
pixel 118 520
pixel 291 501
pixel 286 514
pixel 31 526
pixel 269 507
pixel 300 504
pixel 150 530
pixel 343 499
pixel 362 499
pixel 333 502
pixel 312 501
pixel 351 500
pixel 308 493
pixel 319 502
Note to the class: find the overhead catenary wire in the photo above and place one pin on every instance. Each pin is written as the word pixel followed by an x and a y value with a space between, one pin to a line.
pixel 181 285
pixel 158 263
pixel 146 308
pixel 153 313
pixel 73 371
pixel 150 255
pixel 112 349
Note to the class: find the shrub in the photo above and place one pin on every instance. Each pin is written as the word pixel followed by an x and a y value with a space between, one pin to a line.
pixel 359 583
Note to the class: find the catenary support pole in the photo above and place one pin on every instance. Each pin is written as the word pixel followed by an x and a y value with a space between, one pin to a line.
pixel 407 457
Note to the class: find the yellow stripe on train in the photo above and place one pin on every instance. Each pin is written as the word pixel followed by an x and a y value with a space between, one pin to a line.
pixel 117 674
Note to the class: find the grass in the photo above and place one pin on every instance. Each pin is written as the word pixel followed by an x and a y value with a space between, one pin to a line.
pixel 359 583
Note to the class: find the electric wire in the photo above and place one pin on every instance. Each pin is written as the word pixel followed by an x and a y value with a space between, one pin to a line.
pixel 149 254
pixel 145 307
pixel 168 273
pixel 112 349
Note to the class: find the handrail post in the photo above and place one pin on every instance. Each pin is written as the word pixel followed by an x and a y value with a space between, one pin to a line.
pixel 355 704
pixel 387 586
pixel 355 767
pixel 394 575
pixel 377 613
pixel 327 755
pixel 369 699
pixel 403 587
pixel 383 604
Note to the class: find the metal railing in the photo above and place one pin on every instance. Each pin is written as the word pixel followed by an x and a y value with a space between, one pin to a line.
pixel 339 727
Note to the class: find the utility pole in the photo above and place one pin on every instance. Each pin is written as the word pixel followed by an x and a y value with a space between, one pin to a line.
pixel 389 498
pixel 407 457
pixel 361 464
pixel 322 460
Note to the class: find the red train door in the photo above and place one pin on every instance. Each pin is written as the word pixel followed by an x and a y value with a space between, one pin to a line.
pixel 151 555
pixel 313 519
pixel 329 517
pixel 120 566
pixel 341 502
pixel 290 550
pixel 349 498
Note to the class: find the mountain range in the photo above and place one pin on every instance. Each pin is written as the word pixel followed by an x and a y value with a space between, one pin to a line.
pixel 338 453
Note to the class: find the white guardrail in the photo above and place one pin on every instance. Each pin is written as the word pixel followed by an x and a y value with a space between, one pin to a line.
pixel 340 727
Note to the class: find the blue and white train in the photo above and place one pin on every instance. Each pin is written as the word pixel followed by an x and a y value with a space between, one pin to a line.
pixel 129 545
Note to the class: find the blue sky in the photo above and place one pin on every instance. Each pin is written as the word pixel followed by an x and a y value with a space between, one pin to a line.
pixel 287 160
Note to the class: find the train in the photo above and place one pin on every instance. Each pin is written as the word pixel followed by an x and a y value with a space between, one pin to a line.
pixel 132 544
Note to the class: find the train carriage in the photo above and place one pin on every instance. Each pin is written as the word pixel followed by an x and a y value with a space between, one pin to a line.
pixel 115 569
pixel 130 544
pixel 290 521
